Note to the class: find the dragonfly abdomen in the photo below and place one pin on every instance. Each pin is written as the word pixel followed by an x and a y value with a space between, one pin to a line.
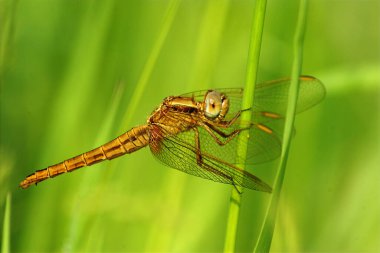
pixel 126 143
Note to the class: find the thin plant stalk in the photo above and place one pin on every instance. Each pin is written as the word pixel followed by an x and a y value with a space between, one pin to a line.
pixel 151 61
pixel 142 82
pixel 207 44
pixel 266 234
pixel 5 245
pixel 78 220
pixel 251 76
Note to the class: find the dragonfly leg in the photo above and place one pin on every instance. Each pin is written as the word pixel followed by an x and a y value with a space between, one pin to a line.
pixel 206 166
pixel 229 137
pixel 226 135
pixel 198 147
pixel 237 189
pixel 228 123
pixel 229 172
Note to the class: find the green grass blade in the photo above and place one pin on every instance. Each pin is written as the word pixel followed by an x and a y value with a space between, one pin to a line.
pixel 5 245
pixel 7 16
pixel 78 220
pixel 151 61
pixel 251 76
pixel 162 236
pixel 265 238
pixel 133 104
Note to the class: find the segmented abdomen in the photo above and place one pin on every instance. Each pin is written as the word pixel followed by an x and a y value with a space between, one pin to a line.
pixel 134 139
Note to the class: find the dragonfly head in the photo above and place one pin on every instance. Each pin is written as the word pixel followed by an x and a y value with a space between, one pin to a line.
pixel 215 105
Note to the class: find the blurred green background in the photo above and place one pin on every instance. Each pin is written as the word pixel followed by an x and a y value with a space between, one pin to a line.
pixel 75 74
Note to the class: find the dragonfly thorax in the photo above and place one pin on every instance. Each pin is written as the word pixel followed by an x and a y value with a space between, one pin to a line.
pixel 174 112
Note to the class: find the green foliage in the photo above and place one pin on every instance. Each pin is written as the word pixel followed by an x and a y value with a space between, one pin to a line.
pixel 71 79
pixel 249 88
pixel 266 233
pixel 5 240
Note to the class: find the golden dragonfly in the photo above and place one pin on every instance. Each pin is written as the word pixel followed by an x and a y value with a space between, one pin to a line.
pixel 197 133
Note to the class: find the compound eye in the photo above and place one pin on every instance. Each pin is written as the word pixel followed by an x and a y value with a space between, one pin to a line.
pixel 213 104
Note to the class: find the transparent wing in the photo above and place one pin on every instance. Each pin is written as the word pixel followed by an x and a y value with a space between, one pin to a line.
pixel 272 96
pixel 262 146
pixel 264 143
pixel 179 152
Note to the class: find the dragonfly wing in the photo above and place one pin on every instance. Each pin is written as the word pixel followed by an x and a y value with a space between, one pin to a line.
pixel 268 112
pixel 179 152
pixel 272 96
pixel 263 145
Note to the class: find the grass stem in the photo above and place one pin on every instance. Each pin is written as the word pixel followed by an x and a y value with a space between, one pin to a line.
pixel 5 245
pixel 265 238
pixel 251 76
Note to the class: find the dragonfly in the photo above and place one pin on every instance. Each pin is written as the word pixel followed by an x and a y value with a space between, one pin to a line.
pixel 198 133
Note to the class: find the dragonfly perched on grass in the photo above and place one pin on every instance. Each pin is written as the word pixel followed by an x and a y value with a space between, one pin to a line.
pixel 197 133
